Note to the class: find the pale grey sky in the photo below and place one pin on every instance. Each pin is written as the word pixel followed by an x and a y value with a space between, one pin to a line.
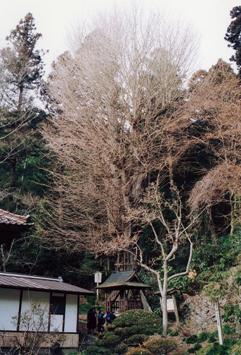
pixel 56 18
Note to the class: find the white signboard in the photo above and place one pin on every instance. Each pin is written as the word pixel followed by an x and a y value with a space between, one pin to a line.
pixel 170 305
pixel 98 277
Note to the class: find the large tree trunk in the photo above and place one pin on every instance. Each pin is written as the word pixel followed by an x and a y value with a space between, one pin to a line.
pixel 164 301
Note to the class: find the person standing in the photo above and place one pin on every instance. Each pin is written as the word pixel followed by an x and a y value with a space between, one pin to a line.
pixel 91 321
pixel 101 322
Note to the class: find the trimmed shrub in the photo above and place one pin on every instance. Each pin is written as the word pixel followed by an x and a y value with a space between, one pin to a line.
pixel 122 332
pixel 138 317
pixel 109 339
pixel 121 348
pixel 132 330
pixel 138 351
pixel 136 339
pixel 158 345
pixel 96 350
pixel 132 327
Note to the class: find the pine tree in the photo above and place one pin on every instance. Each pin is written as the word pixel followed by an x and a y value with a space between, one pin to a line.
pixel 22 65
pixel 233 35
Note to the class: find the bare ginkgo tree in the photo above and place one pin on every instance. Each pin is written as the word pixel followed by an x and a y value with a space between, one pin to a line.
pixel 116 95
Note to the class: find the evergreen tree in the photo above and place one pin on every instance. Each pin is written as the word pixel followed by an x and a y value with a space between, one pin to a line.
pixel 22 148
pixel 233 35
pixel 22 64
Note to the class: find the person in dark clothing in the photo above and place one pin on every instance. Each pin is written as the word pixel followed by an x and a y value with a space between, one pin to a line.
pixel 101 322
pixel 109 317
pixel 91 321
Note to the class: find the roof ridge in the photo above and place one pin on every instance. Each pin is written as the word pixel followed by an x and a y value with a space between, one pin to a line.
pixel 59 279
pixel 13 217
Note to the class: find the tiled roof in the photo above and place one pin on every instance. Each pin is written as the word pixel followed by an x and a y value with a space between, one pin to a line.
pixel 13 219
pixel 120 276
pixel 38 283
pixel 122 279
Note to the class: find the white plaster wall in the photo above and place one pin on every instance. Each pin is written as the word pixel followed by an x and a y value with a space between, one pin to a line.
pixel 35 311
pixel 71 313
pixel 9 307
pixel 56 322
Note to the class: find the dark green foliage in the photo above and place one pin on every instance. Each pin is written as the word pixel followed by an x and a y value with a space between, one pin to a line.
pixel 232 312
pixel 212 338
pixel 129 329
pixel 23 65
pixel 233 35
pixel 136 339
pixel 227 329
pixel 124 332
pixel 194 349
pixel 213 258
pixel 192 339
pixel 217 349
pixel 121 348
pixel 97 350
pixel 109 340
pixel 140 318
pixel 202 337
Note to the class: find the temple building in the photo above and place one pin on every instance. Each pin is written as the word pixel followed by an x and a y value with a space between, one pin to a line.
pixel 12 226
pixel 123 289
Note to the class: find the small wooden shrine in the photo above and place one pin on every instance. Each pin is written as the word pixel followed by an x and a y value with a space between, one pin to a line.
pixel 123 290
pixel 12 226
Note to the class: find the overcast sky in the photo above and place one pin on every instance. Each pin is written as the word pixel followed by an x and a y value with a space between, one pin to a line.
pixel 56 18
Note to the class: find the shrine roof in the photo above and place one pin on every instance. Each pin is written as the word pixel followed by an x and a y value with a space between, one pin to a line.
pixel 122 279
pixel 8 218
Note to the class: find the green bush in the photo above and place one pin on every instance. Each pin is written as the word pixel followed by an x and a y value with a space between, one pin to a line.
pixel 212 337
pixel 122 332
pixel 227 329
pixel 130 327
pixel 138 351
pixel 138 317
pixel 121 348
pixel 231 312
pixel 132 330
pixel 97 350
pixel 110 339
pixel 217 349
pixel 236 349
pixel 192 339
pixel 136 339
pixel 204 350
pixel 158 345
pixel 194 349
pixel 202 337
